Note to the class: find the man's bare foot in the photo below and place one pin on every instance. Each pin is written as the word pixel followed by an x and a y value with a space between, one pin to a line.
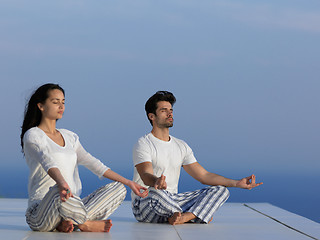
pixel 96 226
pixel 65 226
pixel 181 218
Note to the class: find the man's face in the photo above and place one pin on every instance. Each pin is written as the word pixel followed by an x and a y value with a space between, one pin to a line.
pixel 164 115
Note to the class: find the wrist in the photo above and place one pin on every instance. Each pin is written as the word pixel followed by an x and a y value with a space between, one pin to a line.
pixel 62 184
pixel 235 183
pixel 127 182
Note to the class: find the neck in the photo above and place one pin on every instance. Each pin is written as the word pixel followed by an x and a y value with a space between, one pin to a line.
pixel 161 133
pixel 48 126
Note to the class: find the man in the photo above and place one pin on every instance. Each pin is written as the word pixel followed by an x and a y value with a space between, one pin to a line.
pixel 158 158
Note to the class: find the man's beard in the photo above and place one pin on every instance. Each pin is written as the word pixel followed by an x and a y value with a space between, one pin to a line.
pixel 166 125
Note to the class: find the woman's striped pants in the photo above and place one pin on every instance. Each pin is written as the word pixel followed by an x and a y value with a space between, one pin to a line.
pixel 46 215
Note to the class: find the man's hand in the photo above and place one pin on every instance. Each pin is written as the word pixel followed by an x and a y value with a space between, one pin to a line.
pixel 161 183
pixel 138 189
pixel 248 182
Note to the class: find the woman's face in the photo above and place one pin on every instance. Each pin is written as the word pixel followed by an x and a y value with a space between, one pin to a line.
pixel 53 107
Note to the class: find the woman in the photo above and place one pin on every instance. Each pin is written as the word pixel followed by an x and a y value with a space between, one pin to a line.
pixel 53 156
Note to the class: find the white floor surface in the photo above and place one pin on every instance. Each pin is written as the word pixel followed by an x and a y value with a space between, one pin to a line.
pixel 234 221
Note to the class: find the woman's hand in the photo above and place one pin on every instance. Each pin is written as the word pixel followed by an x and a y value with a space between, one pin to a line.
pixel 138 189
pixel 65 191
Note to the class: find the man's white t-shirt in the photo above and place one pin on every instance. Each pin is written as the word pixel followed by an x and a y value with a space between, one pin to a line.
pixel 167 158
pixel 42 153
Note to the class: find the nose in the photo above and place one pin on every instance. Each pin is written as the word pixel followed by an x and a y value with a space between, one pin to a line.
pixel 61 106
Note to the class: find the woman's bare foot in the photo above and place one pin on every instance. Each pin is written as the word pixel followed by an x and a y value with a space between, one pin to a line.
pixel 96 226
pixel 175 218
pixel 65 226
pixel 181 218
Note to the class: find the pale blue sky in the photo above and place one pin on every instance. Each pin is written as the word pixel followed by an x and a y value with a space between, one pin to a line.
pixel 245 74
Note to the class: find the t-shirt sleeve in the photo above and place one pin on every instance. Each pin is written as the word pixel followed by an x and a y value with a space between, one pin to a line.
pixel 189 156
pixel 87 160
pixel 141 152
pixel 34 147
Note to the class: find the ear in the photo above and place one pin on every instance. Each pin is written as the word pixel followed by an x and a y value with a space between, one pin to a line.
pixel 40 106
pixel 151 116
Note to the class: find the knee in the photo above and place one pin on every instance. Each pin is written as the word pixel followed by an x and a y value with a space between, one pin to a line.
pixel 156 193
pixel 225 193
pixel 222 189
pixel 120 188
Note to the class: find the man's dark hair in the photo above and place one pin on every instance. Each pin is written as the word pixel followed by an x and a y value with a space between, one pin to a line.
pixel 152 103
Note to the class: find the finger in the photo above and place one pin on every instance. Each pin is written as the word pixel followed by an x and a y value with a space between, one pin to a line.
pixel 250 177
pixel 162 179
pixel 161 183
pixel 145 193
pixel 253 179
pixel 142 189
pixel 63 199
pixel 165 185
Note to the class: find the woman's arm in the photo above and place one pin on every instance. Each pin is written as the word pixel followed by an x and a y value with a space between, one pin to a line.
pixel 64 188
pixel 135 187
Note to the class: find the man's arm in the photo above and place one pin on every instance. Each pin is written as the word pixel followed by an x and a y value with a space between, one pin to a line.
pixel 145 171
pixel 202 175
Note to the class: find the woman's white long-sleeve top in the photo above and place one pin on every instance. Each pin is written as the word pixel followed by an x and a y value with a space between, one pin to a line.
pixel 42 153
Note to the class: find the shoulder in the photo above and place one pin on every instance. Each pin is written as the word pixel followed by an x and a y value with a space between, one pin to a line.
pixel 181 144
pixel 34 135
pixel 144 139
pixel 178 141
pixel 143 142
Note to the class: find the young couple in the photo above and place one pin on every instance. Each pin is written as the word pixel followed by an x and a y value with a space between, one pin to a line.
pixel 54 187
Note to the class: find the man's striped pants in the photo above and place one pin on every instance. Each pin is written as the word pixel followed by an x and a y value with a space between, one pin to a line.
pixel 161 204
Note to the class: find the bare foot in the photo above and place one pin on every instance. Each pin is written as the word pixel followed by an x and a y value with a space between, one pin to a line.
pixel 181 218
pixel 175 218
pixel 96 226
pixel 65 226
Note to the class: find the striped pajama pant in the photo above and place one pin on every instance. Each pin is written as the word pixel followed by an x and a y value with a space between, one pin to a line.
pixel 161 204
pixel 46 215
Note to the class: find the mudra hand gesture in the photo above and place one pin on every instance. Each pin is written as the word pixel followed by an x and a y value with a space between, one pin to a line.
pixel 248 182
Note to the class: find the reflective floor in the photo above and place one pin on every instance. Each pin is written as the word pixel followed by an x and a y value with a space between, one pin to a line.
pixel 232 221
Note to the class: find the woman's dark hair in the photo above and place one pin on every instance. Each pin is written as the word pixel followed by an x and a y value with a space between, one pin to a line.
pixel 32 114
pixel 152 103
